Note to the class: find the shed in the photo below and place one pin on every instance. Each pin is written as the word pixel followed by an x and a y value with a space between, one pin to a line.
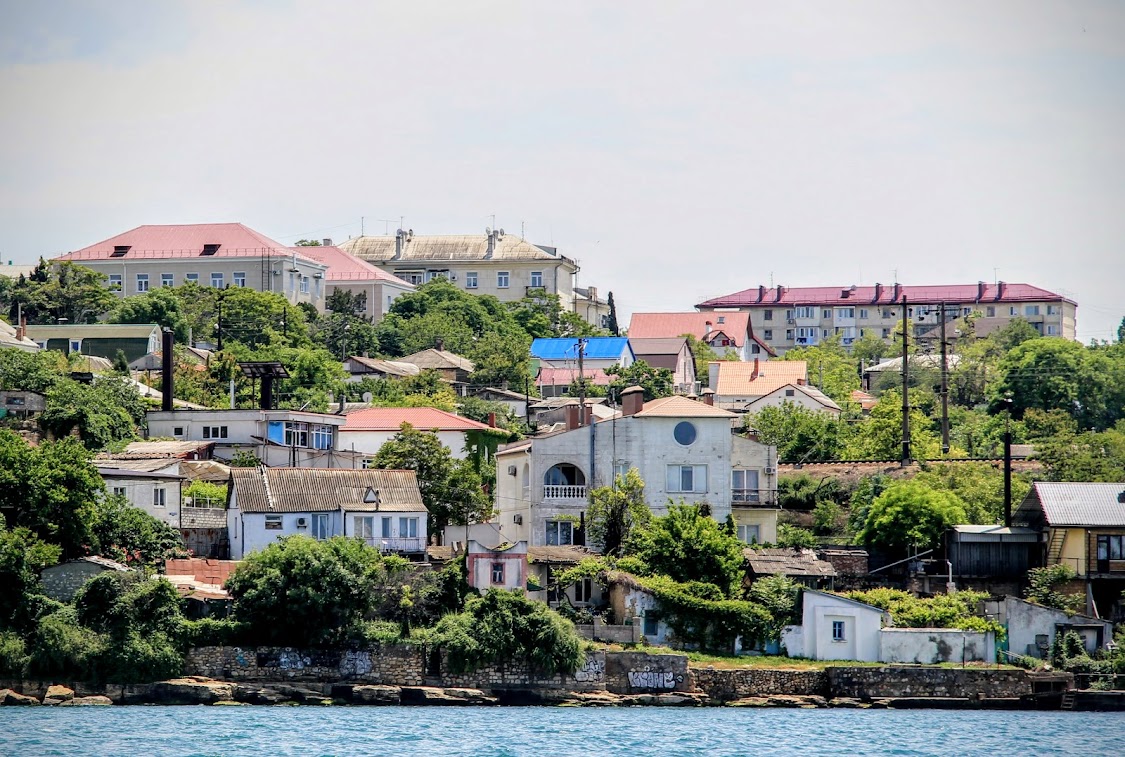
pixel 61 582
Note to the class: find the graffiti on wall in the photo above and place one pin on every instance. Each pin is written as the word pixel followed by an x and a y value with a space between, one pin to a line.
pixel 647 678
pixel 592 671
pixel 355 663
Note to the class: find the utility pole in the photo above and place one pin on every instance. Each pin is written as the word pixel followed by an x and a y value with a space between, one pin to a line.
pixel 581 383
pixel 219 321
pixel 1007 403
pixel 944 386
pixel 905 386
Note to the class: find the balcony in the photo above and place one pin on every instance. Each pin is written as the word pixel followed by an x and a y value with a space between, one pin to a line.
pixel 564 491
pixel 753 497
pixel 406 544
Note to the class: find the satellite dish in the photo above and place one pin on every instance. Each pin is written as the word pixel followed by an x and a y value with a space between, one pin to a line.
pixel 487 230
pixel 367 396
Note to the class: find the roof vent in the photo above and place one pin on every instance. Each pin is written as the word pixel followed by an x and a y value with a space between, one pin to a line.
pixel 119 250
pixel 371 496
pixel 1121 497
pixel 210 249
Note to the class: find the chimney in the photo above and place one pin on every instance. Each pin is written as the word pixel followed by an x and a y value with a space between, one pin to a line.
pixel 439 344
pixel 706 328
pixel 761 293
pixel 632 400
pixel 754 375
pixel 400 243
pixel 491 243
pixel 21 327
pixel 780 293
pixel 878 293
pixel 572 417
pixel 168 340
pixel 1000 287
pixel 708 396
pixel 266 400
pixel 980 290
pixel 592 293
pixel 327 242
pixel 897 293
pixel 492 420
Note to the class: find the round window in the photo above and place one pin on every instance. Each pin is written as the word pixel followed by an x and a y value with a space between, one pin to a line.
pixel 684 433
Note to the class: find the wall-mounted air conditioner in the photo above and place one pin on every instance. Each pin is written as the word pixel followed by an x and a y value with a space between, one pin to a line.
pixel 517 519
pixel 302 522
pixel 770 471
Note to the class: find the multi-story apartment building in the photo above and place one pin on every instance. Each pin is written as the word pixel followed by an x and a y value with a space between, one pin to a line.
pixel 493 263
pixel 210 254
pixel 375 290
pixel 787 317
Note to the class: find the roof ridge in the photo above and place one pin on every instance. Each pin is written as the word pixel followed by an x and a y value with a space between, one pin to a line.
pixel 266 483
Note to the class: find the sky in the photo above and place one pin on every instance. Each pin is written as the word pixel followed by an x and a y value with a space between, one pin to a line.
pixel 678 151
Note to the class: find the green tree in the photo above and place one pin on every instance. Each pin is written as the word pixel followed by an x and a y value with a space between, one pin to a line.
pixel 830 368
pixel 879 436
pixel 979 487
pixel 615 330
pixel 616 511
pixel 505 627
pixel 778 595
pixel 799 433
pixel 910 514
pixel 132 536
pixel 307 243
pixel 501 359
pixel 303 592
pixel 108 410
pixel 1045 587
pixel 56 291
pixel 795 537
pixel 688 546
pixel 22 556
pixel 160 306
pixel 656 382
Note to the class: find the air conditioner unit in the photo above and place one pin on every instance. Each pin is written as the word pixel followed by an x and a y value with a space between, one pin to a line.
pixel 302 522
pixel 770 471
pixel 318 275
pixel 452 277
pixel 790 320
pixel 511 470
pixel 517 519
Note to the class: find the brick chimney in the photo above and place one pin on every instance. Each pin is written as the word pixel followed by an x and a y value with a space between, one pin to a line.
pixel 897 294
pixel 878 293
pixel 492 420
pixel 21 328
pixel 632 400
pixel 708 396
pixel 1000 287
pixel 761 293
pixel 980 290
pixel 754 375
pixel 573 420
pixel 780 293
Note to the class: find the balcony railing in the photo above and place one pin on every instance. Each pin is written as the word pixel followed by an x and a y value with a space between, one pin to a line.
pixel 564 491
pixel 753 497
pixel 406 544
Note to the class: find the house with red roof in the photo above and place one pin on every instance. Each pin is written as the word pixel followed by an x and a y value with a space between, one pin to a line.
pixel 788 317
pixel 366 430
pixel 722 331
pixel 375 289
pixel 207 254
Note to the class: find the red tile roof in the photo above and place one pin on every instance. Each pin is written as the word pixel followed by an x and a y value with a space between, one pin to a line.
pixel 186 241
pixel 735 325
pixel 345 267
pixel 887 295
pixel 422 418
pixel 565 376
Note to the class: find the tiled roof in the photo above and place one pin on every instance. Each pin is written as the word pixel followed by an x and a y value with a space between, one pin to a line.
pixel 888 294
pixel 597 348
pixel 809 391
pixel 422 418
pixel 564 376
pixel 1077 504
pixel 758 378
pixel 343 266
pixel 389 367
pixel 681 407
pixel 735 325
pixel 186 241
pixel 433 359
pixel 865 400
pixel 306 490
pixel 788 562
pixel 452 247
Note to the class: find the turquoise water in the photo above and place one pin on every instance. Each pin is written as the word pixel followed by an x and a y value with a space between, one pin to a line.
pixel 543 732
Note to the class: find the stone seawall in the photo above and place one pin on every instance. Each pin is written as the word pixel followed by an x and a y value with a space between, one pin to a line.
pixel 398 665
pixel 896 682
pixel 726 685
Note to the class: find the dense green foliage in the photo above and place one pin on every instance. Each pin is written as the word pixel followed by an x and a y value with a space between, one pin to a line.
pixel 1044 586
pixel 910 515
pixel 687 545
pixel 656 382
pixel 616 511
pixel 942 611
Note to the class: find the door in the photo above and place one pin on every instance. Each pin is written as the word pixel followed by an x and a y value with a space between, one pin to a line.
pixel 1103 554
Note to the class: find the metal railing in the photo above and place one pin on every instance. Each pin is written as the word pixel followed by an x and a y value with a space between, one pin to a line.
pixel 753 497
pixel 407 544
pixel 564 491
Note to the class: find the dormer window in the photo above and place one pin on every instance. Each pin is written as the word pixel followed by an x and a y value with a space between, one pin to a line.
pixel 119 250
pixel 210 249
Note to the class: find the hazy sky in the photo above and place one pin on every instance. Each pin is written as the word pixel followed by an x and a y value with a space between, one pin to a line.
pixel 679 151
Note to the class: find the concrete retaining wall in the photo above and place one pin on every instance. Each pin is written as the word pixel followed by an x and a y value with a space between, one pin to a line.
pixel 891 681
pixel 726 685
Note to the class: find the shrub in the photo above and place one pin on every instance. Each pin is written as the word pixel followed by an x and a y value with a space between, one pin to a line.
pixel 211 632
pixel 62 648
pixel 13 655
pixel 1044 584
pixel 699 616
pixel 795 537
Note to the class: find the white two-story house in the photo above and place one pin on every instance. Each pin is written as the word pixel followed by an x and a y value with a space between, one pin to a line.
pixel 683 449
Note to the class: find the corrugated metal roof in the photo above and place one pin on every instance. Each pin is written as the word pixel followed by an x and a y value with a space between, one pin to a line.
pixel 681 407
pixel 448 247
pixel 597 348
pixel 888 294
pixel 388 367
pixel 306 490
pixel 422 418
pixel 93 331
pixel 1079 504
pixel 548 376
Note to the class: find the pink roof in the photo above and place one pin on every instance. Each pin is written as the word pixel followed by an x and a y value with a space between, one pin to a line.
pixel 186 241
pixel 566 376
pixel 735 325
pixel 422 418
pixel 343 266
pixel 884 294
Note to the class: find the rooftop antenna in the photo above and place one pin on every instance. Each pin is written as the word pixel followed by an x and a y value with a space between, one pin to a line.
pixel 771 279
pixel 995 275
pixel 386 226
pixel 361 226
pixel 493 217
pixel 896 275
pixel 521 230
pixel 401 221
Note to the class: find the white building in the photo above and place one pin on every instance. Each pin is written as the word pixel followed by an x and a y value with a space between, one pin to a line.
pixel 368 429
pixel 382 507
pixel 683 450
pixel 801 395
pixel 835 628
pixel 292 438
pixel 375 289
pixel 154 486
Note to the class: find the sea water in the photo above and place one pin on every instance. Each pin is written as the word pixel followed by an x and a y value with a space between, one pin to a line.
pixel 545 731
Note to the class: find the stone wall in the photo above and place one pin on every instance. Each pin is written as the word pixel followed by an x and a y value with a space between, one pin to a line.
pixel 893 681
pixel 398 665
pixel 640 673
pixel 724 685
pixel 62 582
pixel 590 677
pixel 610 634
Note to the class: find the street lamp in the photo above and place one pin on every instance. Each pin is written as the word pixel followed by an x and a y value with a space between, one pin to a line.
pixel 1006 403
pixel 344 343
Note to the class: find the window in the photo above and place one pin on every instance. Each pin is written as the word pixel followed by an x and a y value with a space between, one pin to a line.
pixel 214 432
pixel 159 496
pixel 1013 310
pixel 177 431
pixel 845 312
pixel 744 485
pixel 838 631
pixel 966 311
pixel 789 315
pixel 142 283
pixel 1031 310
pixel 191 278
pixel 408 528
pixel 239 278
pixel 805 312
pixel 414 277
pixel 502 279
pixel 273 522
pixel 990 311
pixel 321 437
pixel 75 345
pixel 621 468
pixel 1052 330
pixel 767 315
pixel 304 285
pixel 119 490
pixel 115 282
pixel 385 527
pixel 582 590
pixel 560 532
pixel 767 334
pixel 1052 310
pixel 824 333
pixel 210 249
pixel 888 313
pixel 1111 548
pixel 826 313
pixel 790 392
pixel 217 280
pixel 497 573
pixel 722 319
pixel 789 335
pixel 320 526
pixel 367 463
pixel 687 478
pixel 119 251
pixel 536 279
pixel 363 527
pixel 296 434
pixel 651 626
pixel 863 312
pixel 749 534
pixel 684 433
pixel 167 280
pixel 886 333
pixel 471 280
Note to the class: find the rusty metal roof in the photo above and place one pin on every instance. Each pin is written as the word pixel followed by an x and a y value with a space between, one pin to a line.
pixel 307 490
pixel 1077 504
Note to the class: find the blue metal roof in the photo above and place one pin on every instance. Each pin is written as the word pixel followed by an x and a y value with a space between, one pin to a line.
pixel 597 348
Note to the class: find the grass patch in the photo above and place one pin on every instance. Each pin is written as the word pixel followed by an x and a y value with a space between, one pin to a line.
pixel 774 662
